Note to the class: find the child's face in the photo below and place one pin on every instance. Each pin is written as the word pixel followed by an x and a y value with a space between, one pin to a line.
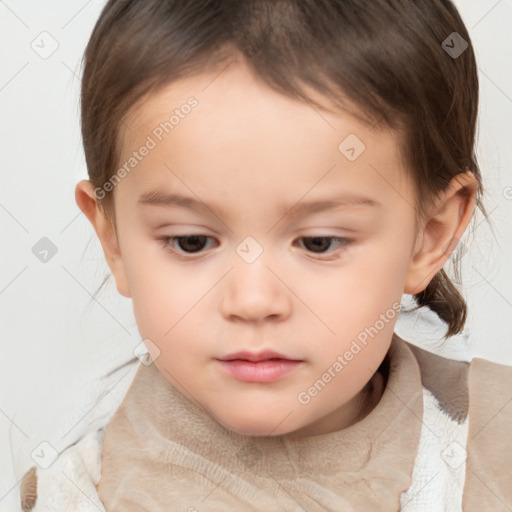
pixel 251 160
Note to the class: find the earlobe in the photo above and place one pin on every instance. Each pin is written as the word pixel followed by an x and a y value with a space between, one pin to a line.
pixel 87 202
pixel 441 232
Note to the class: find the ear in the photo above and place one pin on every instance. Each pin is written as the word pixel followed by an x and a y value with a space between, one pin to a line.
pixel 441 231
pixel 88 203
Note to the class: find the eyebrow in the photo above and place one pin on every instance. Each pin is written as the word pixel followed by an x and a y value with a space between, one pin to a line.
pixel 161 198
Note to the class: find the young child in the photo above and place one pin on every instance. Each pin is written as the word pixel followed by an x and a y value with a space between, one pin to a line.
pixel 267 179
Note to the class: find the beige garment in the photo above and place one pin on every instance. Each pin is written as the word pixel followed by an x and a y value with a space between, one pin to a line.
pixel 162 452
pixel 489 465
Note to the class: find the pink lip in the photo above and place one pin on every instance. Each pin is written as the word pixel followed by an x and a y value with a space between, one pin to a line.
pixel 268 370
pixel 256 356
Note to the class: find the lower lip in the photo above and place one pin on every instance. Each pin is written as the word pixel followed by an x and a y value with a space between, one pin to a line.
pixel 269 370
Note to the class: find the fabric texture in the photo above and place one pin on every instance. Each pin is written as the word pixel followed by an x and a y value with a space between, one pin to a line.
pixel 160 451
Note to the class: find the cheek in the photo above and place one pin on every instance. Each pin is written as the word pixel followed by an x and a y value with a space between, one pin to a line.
pixel 169 318
pixel 161 293
pixel 169 302
pixel 368 282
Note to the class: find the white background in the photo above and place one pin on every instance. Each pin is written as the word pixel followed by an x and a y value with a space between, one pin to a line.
pixel 56 339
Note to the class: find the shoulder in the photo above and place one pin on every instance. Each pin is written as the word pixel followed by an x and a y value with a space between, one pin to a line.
pixel 71 478
pixel 438 475
pixel 498 377
pixel 489 445
pixel 447 380
pixel 478 394
pixel 69 483
pixel 490 390
pixel 477 387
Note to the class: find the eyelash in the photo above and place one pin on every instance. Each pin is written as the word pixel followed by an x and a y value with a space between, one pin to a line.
pixel 166 242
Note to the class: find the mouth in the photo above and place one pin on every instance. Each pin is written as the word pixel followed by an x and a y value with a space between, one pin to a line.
pixel 261 367
pixel 256 357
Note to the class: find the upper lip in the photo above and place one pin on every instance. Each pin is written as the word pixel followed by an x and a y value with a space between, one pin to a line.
pixel 256 356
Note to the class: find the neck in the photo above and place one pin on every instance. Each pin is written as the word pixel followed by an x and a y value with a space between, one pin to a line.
pixel 349 413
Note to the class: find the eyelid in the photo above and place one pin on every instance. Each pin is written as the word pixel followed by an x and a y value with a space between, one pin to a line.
pixel 330 255
pixel 345 242
pixel 168 245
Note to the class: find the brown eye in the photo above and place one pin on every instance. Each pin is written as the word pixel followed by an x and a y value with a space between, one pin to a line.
pixel 324 244
pixel 317 243
pixel 191 243
pixel 185 244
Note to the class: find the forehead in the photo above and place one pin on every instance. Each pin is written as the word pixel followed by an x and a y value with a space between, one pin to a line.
pixel 232 97
pixel 239 126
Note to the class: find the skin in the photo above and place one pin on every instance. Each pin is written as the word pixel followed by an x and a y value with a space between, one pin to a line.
pixel 251 154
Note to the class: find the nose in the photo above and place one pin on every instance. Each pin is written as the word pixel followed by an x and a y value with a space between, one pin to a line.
pixel 254 293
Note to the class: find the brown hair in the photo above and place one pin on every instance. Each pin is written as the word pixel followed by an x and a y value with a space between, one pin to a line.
pixel 384 56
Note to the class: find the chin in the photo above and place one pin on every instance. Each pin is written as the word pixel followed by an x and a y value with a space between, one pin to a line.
pixel 255 427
